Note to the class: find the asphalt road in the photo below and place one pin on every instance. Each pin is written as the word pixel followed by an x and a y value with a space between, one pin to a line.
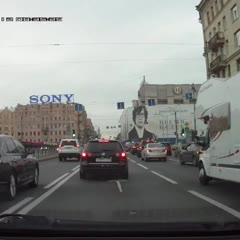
pixel 155 191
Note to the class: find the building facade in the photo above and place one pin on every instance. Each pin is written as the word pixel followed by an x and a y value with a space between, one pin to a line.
pixel 220 21
pixel 44 123
pixel 167 93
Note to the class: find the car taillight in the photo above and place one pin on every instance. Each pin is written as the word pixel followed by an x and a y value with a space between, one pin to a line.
pixel 60 146
pixel 149 150
pixel 164 150
pixel 122 155
pixel 84 155
pixel 134 147
pixel 77 146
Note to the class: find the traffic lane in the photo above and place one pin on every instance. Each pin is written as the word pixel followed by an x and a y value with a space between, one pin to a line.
pixel 49 171
pixel 224 192
pixel 144 197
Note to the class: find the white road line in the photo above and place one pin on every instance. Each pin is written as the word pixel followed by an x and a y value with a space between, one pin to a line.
pixel 165 178
pixel 217 204
pixel 55 181
pixel 132 160
pixel 17 206
pixel 140 165
pixel 37 201
pixel 119 186
pixel 77 167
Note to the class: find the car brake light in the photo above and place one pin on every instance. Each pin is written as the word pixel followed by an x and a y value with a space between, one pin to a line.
pixel 237 151
pixel 149 150
pixel 60 146
pixel 77 146
pixel 103 141
pixel 84 154
pixel 134 146
pixel 123 154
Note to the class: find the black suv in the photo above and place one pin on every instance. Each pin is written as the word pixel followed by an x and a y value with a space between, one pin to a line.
pixel 18 166
pixel 104 156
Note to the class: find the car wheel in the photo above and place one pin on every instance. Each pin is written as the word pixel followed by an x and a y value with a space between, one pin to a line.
pixel 165 159
pixel 181 160
pixel 60 159
pixel 12 187
pixel 203 178
pixel 195 162
pixel 125 173
pixel 35 180
pixel 82 174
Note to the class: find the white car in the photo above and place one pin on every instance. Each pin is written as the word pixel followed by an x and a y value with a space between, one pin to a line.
pixel 154 151
pixel 69 148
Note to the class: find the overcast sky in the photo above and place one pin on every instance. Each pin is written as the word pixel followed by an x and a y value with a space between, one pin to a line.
pixel 100 75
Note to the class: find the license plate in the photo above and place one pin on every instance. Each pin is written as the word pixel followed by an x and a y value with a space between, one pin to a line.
pixel 103 160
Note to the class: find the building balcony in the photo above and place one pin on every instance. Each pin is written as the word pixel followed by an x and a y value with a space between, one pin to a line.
pixel 216 41
pixel 218 63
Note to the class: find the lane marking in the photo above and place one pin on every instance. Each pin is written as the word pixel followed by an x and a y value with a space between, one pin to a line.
pixel 140 165
pixel 217 204
pixel 165 178
pixel 37 201
pixel 119 186
pixel 56 180
pixel 17 206
pixel 77 167
pixel 132 160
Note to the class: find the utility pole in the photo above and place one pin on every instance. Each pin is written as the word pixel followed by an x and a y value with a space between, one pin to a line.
pixel 78 124
pixel 194 106
pixel 176 127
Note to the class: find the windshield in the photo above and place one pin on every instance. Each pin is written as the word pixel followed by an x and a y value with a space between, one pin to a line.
pixel 87 87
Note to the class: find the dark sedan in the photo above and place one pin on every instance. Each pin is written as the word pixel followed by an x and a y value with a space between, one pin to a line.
pixel 190 153
pixel 18 166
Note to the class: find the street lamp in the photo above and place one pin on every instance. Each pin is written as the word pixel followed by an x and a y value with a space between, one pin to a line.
pixel 194 105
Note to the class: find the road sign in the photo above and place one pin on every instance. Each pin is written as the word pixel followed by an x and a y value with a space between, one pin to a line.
pixel 189 96
pixel 120 105
pixel 78 107
pixel 151 102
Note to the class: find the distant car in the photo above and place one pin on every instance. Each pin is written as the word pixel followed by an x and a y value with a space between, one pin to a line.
pixel 154 151
pixel 104 156
pixel 18 166
pixel 141 146
pixel 69 148
pixel 127 146
pixel 190 153
pixel 168 147
pixel 134 147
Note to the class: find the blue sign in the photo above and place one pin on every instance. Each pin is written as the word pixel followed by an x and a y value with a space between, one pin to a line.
pixel 120 105
pixel 52 98
pixel 78 107
pixel 151 102
pixel 189 96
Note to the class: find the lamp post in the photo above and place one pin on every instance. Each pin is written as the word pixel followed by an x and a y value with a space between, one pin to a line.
pixel 194 106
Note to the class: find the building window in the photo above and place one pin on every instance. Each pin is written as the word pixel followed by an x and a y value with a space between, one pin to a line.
pixel 56 140
pixel 34 133
pixel 216 5
pixel 234 12
pixel 55 118
pixel 224 24
pixel 178 101
pixel 59 125
pixel 55 132
pixel 208 18
pixel 219 27
pixel 238 65
pixel 223 73
pixel 229 70
pixel 38 133
pixel 162 101
pixel 60 133
pixel 212 12
pixel 64 132
pixel 31 134
pixel 237 38
pixel 227 47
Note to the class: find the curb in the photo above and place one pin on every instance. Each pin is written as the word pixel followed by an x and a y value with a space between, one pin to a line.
pixel 47 158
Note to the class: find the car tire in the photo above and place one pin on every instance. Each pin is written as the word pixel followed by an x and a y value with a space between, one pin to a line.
pixel 60 159
pixel 165 159
pixel 181 160
pixel 203 178
pixel 125 174
pixel 82 174
pixel 195 162
pixel 35 180
pixel 12 187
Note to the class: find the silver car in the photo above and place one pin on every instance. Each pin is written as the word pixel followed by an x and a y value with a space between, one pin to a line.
pixel 154 151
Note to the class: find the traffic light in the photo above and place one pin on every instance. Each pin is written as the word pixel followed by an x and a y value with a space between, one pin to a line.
pixel 73 133
pixel 183 132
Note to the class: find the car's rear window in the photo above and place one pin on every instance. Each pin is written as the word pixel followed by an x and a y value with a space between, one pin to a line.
pixel 154 145
pixel 104 147
pixel 69 143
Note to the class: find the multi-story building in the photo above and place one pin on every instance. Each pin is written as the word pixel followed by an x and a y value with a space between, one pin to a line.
pixel 167 93
pixel 46 123
pixel 221 32
pixel 7 119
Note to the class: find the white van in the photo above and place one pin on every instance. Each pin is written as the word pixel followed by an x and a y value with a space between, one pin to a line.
pixel 218 105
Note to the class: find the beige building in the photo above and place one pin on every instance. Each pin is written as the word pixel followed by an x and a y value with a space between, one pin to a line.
pixel 221 31
pixel 48 122
pixel 167 93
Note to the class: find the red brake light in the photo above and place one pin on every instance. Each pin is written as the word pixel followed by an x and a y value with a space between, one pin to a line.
pixel 123 154
pixel 77 146
pixel 103 141
pixel 237 151
pixel 60 146
pixel 84 154
pixel 134 146
pixel 149 150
